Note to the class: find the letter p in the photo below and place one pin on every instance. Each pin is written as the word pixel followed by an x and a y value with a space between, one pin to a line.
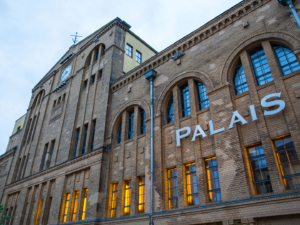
pixel 179 137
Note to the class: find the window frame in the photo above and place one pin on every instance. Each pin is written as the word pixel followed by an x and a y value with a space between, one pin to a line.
pixel 236 74
pixel 127 197
pixel 200 97
pixel 141 205
pixel 185 97
pixel 130 131
pixel 170 117
pixel 85 193
pixel 138 56
pixel 193 173
pixel 207 179
pixel 142 122
pixel 129 48
pixel 169 181
pixel 114 195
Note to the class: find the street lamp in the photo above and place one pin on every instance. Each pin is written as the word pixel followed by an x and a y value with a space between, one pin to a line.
pixel 290 4
pixel 151 75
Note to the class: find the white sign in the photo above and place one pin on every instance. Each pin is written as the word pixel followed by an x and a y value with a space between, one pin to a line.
pixel 236 118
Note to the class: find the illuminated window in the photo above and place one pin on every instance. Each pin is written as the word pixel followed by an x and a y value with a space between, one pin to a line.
pixel 213 181
pixel 287 59
pixel 74 205
pixel 129 50
pixel 85 192
pixel 259 169
pixel 93 136
pixel 84 139
pixel 138 57
pixel 141 194
pixel 172 188
pixel 288 162
pixel 127 197
pixel 119 134
pixel 114 192
pixel 191 184
pixel 261 67
pixel 202 96
pixel 185 100
pixel 130 124
pixel 143 123
pixel 239 80
pixel 170 111
pixel 66 207
pixel 38 211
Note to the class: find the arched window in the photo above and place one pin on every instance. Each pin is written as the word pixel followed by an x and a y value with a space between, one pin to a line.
pixel 170 111
pixel 202 96
pixel 239 80
pixel 130 125
pixel 119 134
pixel 142 122
pixel 287 59
pixel 185 100
pixel 260 65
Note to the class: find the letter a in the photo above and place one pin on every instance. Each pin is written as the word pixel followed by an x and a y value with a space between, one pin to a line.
pixel 239 119
pixel 198 132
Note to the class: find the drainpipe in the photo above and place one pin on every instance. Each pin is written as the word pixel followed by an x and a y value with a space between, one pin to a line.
pixel 290 4
pixel 151 75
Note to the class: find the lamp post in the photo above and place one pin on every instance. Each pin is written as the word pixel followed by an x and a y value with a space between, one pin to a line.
pixel 290 4
pixel 151 75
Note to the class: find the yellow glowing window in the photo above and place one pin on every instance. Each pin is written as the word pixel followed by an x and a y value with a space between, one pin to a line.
pixel 65 209
pixel 127 197
pixel 213 182
pixel 191 184
pixel 85 191
pixel 141 194
pixel 172 188
pixel 74 205
pixel 114 192
pixel 38 212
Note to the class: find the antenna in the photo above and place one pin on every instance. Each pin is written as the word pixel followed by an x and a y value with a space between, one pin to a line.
pixel 75 39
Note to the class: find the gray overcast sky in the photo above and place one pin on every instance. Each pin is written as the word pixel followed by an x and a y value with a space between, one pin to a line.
pixel 35 34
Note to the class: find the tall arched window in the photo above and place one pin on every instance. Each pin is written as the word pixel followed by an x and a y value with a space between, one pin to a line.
pixel 119 134
pixel 202 96
pixel 130 125
pixel 287 59
pixel 239 80
pixel 170 111
pixel 260 65
pixel 185 100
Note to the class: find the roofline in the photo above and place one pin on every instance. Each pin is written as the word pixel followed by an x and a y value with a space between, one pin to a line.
pixel 21 117
pixel 141 40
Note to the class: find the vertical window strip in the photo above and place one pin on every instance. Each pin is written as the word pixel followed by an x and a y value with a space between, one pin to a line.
pixel 127 197
pixel 47 211
pixel 202 96
pixel 138 57
pixel 172 188
pixel 141 194
pixel 239 80
pixel 38 212
pixel 103 50
pixel 119 134
pixel 191 182
pixel 93 135
pixel 66 207
pixel 76 142
pixel 84 203
pixel 31 129
pixel 288 161
pixel 185 100
pixel 52 149
pixel 113 209
pixel 259 170
pixel 287 59
pixel 170 111
pixel 130 124
pixel 213 181
pixel 96 54
pixel 45 156
pixel 143 123
pixel 261 67
pixel 74 205
pixel 84 139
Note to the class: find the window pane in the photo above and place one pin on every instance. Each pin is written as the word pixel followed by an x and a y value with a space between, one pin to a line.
pixel 170 111
pixel 260 66
pixel 213 181
pixel 202 96
pixel 130 124
pixel 287 59
pixel 185 100
pixel 239 80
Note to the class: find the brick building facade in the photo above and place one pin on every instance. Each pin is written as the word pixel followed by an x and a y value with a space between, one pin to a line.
pixel 83 154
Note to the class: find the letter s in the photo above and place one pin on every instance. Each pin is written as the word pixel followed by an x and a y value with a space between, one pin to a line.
pixel 266 104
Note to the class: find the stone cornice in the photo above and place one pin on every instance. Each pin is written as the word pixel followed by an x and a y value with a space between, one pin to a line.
pixel 64 164
pixel 8 153
pixel 214 26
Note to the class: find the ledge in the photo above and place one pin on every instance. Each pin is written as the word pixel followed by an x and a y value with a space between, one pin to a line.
pixel 265 85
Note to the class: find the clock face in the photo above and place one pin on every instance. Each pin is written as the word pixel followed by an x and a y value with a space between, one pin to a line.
pixel 66 73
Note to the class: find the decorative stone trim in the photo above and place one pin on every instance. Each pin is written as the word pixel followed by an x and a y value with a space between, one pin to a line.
pixel 62 165
pixel 214 26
